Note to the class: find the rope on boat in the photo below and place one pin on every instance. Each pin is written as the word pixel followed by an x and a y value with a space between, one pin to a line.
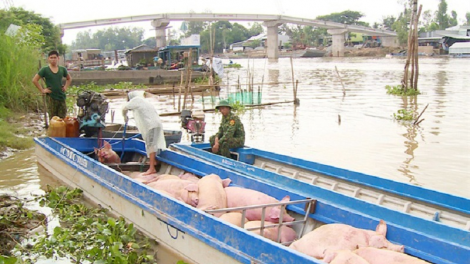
pixel 123 140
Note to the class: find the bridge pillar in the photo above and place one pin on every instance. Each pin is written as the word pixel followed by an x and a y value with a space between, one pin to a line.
pixel 337 47
pixel 160 31
pixel 272 41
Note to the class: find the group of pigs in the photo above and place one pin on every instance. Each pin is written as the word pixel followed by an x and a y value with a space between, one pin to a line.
pixel 332 243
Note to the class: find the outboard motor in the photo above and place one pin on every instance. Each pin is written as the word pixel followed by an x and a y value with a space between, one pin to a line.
pixel 92 111
pixel 194 124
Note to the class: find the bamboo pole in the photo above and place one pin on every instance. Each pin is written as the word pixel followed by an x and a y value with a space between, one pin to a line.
pixel 211 47
pixel 415 81
pixel 188 80
pixel 173 93
pixel 417 121
pixel 339 76
pixel 296 100
pixel 413 48
pixel 292 70
pixel 46 121
pixel 179 96
pixel 409 53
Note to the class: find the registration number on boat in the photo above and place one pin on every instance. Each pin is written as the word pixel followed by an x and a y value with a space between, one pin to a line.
pixel 73 157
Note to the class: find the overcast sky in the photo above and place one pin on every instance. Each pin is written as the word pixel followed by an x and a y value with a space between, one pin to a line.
pixel 61 11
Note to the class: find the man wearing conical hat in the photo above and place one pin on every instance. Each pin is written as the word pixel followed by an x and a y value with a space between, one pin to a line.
pixel 231 132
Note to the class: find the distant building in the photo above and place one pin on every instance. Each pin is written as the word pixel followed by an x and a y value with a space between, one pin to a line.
pixel 141 54
pixel 193 40
pixel 443 39
pixel 86 54
pixel 247 44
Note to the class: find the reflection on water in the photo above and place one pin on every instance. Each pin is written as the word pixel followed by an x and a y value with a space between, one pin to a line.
pixel 354 130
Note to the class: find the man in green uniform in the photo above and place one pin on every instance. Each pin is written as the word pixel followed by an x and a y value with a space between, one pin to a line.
pixel 231 133
pixel 55 92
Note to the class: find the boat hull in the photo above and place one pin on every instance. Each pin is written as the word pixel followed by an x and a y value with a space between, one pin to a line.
pixel 182 228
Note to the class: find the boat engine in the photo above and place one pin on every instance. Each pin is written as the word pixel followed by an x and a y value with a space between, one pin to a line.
pixel 92 111
pixel 194 124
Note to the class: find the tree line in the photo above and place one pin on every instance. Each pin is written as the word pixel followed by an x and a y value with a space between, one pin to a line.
pixel 224 33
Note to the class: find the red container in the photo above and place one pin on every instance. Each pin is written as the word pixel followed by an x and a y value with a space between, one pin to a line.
pixel 71 127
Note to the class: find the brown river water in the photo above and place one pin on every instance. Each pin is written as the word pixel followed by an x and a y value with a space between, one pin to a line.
pixel 355 130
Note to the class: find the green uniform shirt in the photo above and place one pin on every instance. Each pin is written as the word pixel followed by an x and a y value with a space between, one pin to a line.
pixel 54 81
pixel 231 129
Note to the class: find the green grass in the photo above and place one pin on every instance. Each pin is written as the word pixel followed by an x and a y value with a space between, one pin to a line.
pixel 405 115
pixel 233 65
pixel 18 64
pixel 205 80
pixel 86 234
pixel 11 131
pixel 398 90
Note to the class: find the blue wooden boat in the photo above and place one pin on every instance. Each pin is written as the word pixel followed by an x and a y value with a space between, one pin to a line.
pixel 202 238
pixel 410 199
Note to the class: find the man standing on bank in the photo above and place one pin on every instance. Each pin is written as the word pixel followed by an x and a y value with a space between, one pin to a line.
pixel 231 133
pixel 55 92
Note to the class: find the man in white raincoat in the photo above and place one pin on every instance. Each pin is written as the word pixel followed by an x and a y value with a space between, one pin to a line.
pixel 149 124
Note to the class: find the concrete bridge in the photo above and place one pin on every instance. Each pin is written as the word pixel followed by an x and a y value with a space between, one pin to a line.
pixel 272 22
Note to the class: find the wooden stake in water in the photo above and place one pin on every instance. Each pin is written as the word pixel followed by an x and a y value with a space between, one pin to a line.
pixel 337 73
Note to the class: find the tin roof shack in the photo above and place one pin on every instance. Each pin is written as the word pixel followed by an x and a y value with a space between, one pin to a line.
pixel 174 56
pixel 142 55
pixel 86 54
pixel 443 39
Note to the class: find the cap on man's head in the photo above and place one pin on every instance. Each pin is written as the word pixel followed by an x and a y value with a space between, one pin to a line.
pixel 223 103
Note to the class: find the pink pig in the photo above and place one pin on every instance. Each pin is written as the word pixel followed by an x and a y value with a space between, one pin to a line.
pixel 167 177
pixel 106 154
pixel 346 256
pixel 287 233
pixel 237 197
pixel 145 179
pixel 233 218
pixel 211 193
pixel 189 176
pixel 182 190
pixel 325 241
pixel 378 256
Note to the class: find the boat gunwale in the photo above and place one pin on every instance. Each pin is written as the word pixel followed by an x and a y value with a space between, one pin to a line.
pixel 415 192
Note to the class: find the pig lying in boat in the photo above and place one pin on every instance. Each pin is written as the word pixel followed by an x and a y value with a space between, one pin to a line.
pixel 212 195
pixel 183 190
pixel 370 255
pixel 287 234
pixel 325 241
pixel 239 197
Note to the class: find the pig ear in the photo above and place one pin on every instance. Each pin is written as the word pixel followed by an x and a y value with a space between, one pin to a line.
pixel 107 145
pixel 275 214
pixel 381 228
pixel 226 182
pixel 286 198
pixel 96 150
pixel 192 187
